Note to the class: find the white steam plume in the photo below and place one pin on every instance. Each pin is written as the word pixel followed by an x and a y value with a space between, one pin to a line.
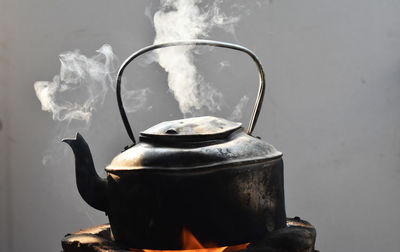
pixel 84 81
pixel 135 99
pixel 185 20
pixel 237 111
pixel 82 85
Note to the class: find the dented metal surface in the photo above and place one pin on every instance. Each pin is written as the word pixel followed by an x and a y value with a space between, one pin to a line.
pixel 192 127
pixel 184 151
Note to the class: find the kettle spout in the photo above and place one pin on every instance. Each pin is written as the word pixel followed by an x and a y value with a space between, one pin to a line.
pixel 91 187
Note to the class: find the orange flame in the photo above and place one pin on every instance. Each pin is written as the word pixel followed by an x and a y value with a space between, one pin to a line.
pixel 191 244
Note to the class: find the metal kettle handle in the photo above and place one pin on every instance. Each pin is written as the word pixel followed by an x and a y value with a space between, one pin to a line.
pixel 261 89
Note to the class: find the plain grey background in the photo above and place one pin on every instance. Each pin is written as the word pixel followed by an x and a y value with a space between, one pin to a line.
pixel 332 108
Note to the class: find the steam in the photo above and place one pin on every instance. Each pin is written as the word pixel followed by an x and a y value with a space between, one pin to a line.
pixel 223 64
pixel 237 111
pixel 83 82
pixel 135 99
pixel 82 85
pixel 185 20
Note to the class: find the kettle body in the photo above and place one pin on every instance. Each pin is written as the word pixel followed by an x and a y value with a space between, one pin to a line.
pixel 226 190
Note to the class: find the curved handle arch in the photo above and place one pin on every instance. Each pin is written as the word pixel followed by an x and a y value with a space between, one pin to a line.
pixel 261 89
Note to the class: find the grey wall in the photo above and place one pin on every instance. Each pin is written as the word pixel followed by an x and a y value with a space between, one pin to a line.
pixel 332 108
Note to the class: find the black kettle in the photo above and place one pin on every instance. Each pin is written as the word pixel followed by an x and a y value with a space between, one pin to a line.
pixel 205 174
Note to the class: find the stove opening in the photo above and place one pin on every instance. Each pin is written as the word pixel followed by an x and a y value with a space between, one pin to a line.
pixel 191 244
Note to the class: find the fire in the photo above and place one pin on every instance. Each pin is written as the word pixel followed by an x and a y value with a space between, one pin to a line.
pixel 191 244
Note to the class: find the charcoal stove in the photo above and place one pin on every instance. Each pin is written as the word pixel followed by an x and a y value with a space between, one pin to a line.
pixel 205 174
pixel 298 236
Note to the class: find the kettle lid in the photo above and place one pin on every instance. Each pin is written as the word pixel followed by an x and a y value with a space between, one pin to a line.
pixel 193 143
pixel 191 129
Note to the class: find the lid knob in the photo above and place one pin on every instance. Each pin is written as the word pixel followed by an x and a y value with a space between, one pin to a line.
pixel 171 131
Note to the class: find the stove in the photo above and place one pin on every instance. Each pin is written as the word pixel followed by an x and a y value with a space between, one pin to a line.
pixel 298 236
